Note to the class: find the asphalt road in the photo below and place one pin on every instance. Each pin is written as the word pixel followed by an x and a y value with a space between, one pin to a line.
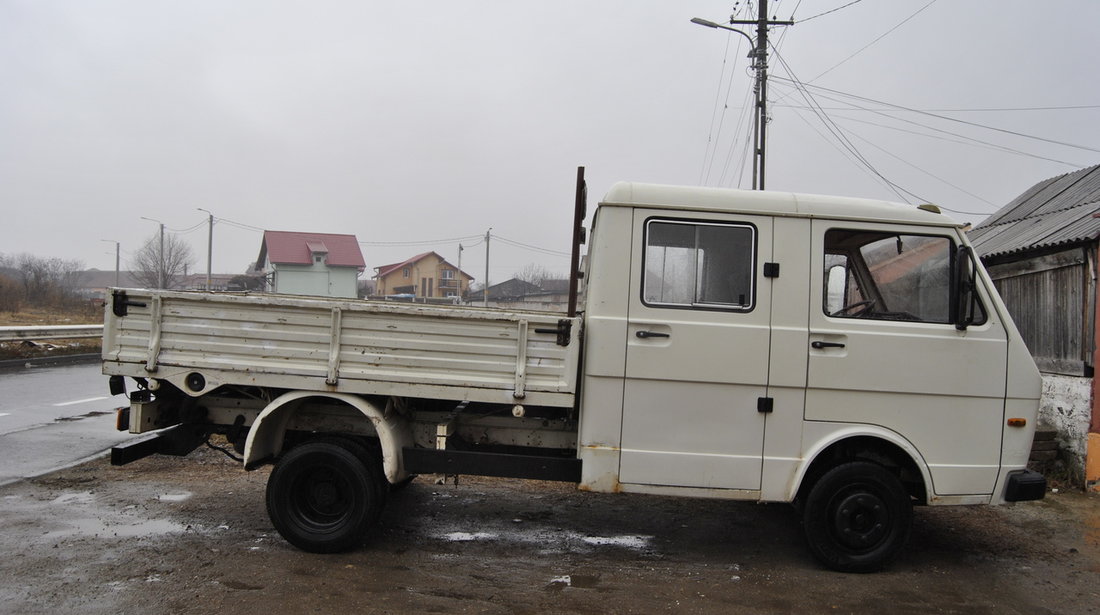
pixel 54 417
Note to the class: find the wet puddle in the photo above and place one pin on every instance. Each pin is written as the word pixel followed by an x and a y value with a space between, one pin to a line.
pixel 119 527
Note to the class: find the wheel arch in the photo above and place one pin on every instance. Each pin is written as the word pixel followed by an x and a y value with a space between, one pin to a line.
pixel 267 434
pixel 881 447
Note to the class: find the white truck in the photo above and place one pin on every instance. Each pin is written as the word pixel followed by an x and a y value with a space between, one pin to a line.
pixel 849 356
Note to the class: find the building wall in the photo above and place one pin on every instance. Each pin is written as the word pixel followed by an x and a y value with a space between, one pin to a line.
pixel 1050 299
pixel 1066 406
pixel 316 279
pixel 426 279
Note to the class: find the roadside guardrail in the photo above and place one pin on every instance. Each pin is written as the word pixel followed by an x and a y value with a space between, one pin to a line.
pixel 49 332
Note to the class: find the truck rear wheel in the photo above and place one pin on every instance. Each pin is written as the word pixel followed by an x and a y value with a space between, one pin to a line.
pixel 857 517
pixel 324 495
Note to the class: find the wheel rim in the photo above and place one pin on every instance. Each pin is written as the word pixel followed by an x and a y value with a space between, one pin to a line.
pixel 859 519
pixel 321 499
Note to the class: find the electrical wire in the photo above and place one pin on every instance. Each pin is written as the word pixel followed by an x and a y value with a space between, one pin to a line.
pixel 247 227
pixel 823 14
pixel 879 38
pixel 712 138
pixel 838 133
pixel 733 143
pixel 427 242
pixel 928 173
pixel 519 244
pixel 959 140
pixel 986 109
pixel 714 112
pixel 186 230
pixel 941 117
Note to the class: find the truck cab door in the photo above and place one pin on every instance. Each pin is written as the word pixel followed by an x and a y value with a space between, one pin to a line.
pixel 697 350
pixel 884 350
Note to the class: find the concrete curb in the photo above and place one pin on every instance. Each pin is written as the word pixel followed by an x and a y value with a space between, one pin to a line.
pixel 72 359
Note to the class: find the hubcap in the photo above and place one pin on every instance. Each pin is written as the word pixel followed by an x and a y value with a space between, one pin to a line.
pixel 860 520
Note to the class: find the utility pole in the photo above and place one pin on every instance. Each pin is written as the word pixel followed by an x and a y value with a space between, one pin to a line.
pixel 458 276
pixel 160 253
pixel 209 247
pixel 486 290
pixel 760 124
pixel 160 258
pixel 117 258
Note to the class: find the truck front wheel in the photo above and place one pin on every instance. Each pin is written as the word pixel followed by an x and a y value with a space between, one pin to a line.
pixel 857 517
pixel 322 497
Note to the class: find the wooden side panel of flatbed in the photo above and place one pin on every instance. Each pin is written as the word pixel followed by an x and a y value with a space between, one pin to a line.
pixel 325 344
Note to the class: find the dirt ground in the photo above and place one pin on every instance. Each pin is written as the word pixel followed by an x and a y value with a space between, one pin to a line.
pixel 169 535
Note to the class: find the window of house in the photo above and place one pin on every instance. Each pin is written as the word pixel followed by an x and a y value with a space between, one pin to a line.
pixel 405 272
pixel 888 276
pixel 448 274
pixel 699 265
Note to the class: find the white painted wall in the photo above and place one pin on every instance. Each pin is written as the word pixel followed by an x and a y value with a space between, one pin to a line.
pixel 1066 406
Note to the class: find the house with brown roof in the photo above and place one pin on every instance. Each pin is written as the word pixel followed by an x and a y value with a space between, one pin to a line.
pixel 325 264
pixel 426 275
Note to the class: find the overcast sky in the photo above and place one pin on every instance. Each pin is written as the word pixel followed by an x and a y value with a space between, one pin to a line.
pixel 431 121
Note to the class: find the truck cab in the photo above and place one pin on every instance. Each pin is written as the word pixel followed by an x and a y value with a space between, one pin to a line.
pixel 745 345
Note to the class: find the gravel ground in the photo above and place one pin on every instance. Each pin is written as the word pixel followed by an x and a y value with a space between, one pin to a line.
pixel 190 535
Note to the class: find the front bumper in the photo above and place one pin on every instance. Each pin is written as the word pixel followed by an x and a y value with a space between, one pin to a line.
pixel 1024 486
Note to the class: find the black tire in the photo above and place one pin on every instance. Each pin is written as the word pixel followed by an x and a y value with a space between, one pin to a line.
pixel 857 517
pixel 370 458
pixel 322 496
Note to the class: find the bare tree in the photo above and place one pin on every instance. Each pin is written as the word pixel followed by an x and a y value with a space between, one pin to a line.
pixel 150 266
pixel 48 282
pixel 534 274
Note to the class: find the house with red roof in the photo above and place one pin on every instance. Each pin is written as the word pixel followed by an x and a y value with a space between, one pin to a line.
pixel 324 264
pixel 426 275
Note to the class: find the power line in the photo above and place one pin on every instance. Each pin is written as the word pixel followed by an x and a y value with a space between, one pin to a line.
pixel 712 137
pixel 976 109
pixel 801 21
pixel 948 118
pixel 428 242
pixel 880 37
pixel 519 244
pixel 960 139
pixel 926 172
pixel 186 230
pixel 247 227
pixel 837 133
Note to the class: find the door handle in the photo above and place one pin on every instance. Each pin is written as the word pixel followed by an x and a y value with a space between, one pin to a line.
pixel 819 345
pixel 648 334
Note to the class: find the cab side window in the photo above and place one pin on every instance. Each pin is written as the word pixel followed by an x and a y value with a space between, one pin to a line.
pixel 888 276
pixel 699 265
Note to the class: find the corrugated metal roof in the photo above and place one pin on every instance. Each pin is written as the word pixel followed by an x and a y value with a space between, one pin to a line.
pixel 1053 212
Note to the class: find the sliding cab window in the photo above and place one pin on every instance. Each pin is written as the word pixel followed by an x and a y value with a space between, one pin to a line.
pixel 699 265
pixel 888 276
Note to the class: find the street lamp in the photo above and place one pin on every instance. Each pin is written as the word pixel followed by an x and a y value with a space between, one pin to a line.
pixel 209 247
pixel 758 51
pixel 160 253
pixel 710 24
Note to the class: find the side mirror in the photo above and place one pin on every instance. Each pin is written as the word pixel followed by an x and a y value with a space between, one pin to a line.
pixel 965 296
